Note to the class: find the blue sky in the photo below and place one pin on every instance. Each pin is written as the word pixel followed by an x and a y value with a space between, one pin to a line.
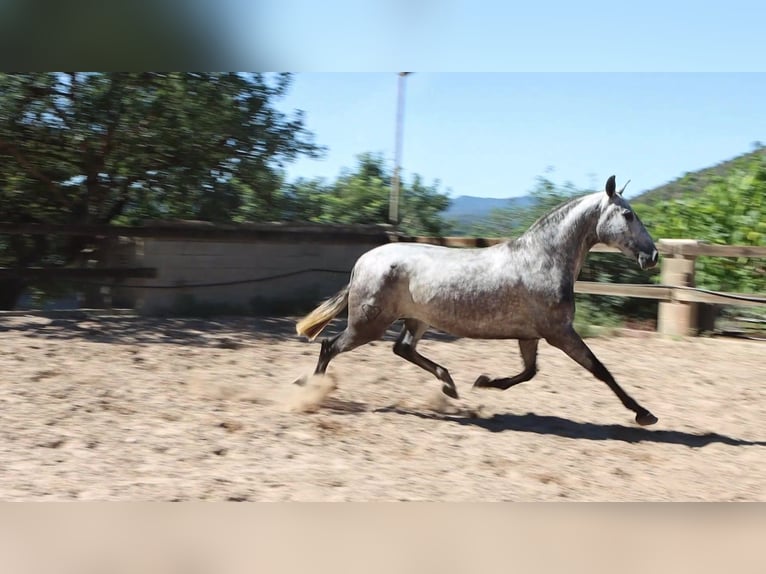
pixel 498 35
pixel 493 134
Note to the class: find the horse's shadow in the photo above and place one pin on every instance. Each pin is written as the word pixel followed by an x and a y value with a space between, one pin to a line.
pixel 558 426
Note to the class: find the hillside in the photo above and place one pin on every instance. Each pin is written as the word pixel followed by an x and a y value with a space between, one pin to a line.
pixel 697 180
pixel 472 215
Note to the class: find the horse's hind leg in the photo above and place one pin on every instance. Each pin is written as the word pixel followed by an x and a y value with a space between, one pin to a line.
pixel 573 345
pixel 529 355
pixel 354 335
pixel 405 347
pixel 327 352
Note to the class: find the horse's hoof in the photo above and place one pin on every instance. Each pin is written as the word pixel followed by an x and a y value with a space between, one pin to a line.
pixel 646 419
pixel 450 391
pixel 301 381
pixel 482 381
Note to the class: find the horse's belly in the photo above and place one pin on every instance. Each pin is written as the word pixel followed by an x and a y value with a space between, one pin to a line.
pixel 499 322
pixel 494 331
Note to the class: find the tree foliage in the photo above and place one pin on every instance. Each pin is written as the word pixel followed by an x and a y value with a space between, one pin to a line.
pixel 362 195
pixel 729 210
pixel 694 182
pixel 95 148
pixel 101 147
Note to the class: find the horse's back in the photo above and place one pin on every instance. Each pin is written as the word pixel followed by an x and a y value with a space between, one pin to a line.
pixel 423 263
pixel 427 282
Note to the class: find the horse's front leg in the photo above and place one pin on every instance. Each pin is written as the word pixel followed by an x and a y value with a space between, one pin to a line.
pixel 573 345
pixel 529 355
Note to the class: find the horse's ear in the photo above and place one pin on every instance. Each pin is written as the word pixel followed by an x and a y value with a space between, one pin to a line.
pixel 610 186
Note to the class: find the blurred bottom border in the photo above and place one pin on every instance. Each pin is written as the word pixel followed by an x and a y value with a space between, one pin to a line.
pixel 223 538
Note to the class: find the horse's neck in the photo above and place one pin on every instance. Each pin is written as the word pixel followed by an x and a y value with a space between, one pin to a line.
pixel 568 240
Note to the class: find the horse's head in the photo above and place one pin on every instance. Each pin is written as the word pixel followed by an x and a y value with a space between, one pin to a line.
pixel 619 226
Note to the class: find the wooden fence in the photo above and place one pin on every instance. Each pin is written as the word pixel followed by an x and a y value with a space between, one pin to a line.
pixel 677 293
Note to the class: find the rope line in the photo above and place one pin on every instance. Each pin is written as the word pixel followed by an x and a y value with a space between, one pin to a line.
pixel 214 284
pixel 752 299
pixel 734 297
pixel 749 298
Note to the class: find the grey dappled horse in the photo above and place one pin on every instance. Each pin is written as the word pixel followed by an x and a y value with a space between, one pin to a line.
pixel 520 289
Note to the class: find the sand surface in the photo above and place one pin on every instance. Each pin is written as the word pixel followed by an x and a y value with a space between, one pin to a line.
pixel 124 408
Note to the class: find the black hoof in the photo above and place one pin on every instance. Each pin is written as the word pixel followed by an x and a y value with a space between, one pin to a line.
pixel 646 419
pixel 482 381
pixel 450 391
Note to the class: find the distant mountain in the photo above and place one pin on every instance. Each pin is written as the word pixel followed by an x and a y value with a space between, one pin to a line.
pixel 469 207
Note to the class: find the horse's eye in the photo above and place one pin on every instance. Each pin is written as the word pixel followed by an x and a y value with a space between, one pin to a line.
pixel 628 214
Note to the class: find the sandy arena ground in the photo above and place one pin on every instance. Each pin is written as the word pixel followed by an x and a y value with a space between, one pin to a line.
pixel 130 409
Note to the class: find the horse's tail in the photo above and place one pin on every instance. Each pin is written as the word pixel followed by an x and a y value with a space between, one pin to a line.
pixel 313 323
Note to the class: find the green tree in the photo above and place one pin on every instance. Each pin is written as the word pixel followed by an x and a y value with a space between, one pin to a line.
pixel 423 206
pixel 362 195
pixel 730 210
pixel 125 147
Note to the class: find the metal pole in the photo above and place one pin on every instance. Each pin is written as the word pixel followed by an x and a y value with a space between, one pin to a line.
pixel 393 208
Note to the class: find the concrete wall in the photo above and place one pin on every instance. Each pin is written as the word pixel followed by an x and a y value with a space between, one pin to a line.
pixel 187 265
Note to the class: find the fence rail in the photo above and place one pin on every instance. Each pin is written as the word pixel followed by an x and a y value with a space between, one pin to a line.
pixel 677 293
pixel 684 308
pixel 667 293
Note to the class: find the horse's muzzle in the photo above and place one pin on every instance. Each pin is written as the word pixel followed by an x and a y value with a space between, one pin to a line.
pixel 647 261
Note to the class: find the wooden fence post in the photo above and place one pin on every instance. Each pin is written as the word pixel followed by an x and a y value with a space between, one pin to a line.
pixel 677 269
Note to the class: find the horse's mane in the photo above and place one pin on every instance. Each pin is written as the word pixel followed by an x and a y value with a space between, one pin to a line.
pixel 556 215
